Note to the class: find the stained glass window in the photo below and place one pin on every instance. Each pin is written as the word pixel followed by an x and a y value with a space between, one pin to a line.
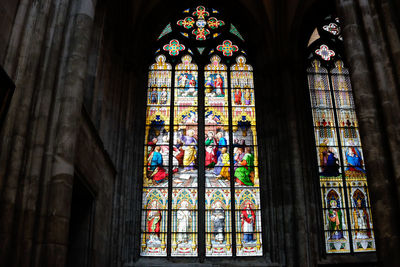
pixel 347 220
pixel 201 193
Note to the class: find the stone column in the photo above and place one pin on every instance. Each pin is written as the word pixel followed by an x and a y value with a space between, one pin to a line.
pixel 392 35
pixel 385 83
pixel 71 99
pixel 370 84
pixel 34 176
pixel 26 42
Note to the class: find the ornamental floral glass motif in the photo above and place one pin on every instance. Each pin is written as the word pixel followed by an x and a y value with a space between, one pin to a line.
pixel 201 193
pixel 202 25
pixel 348 224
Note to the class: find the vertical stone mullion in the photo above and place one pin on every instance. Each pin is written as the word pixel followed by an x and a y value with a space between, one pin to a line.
pixel 384 202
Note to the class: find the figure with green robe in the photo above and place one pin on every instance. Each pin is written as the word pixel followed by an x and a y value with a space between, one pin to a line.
pixel 244 174
pixel 335 220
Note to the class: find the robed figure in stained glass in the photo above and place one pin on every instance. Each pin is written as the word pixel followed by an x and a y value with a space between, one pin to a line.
pixel 183 217
pixel 221 142
pixel 248 219
pixel 238 97
pixel 354 159
pixel 328 160
pixel 189 148
pixel 211 150
pixel 163 96
pixel 153 223
pixel 221 169
pixel 335 217
pixel 156 170
pixel 245 172
pixel 209 87
pixel 218 84
pixel 218 220
pixel 360 216
pixel 154 96
pixel 247 97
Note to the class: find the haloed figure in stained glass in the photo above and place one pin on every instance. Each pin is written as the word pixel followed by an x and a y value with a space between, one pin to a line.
pixel 238 97
pixel 163 96
pixel 221 169
pixel 244 173
pixel 183 217
pixel 187 83
pixel 354 158
pixel 335 217
pixel 218 220
pixel 214 86
pixel 247 97
pixel 156 170
pixel 153 223
pixel 211 150
pixel 189 148
pixel 360 216
pixel 248 219
pixel 328 160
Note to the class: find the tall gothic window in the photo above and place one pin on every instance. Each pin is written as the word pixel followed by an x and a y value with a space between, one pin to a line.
pixel 201 193
pixel 346 210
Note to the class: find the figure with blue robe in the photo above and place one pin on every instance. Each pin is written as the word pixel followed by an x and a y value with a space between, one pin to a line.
pixel 331 164
pixel 155 161
pixel 354 160
pixel 221 142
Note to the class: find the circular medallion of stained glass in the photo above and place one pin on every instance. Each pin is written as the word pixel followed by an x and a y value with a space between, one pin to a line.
pixel 201 23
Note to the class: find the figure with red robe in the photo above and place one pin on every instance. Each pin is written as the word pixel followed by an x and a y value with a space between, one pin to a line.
pixel 238 97
pixel 218 85
pixel 153 222
pixel 248 219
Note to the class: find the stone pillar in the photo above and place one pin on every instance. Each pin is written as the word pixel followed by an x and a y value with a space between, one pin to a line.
pixel 26 42
pixel 385 83
pixel 71 99
pixel 375 98
pixel 392 35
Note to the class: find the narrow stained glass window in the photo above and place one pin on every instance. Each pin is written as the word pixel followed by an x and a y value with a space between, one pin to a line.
pixel 348 225
pixel 201 195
